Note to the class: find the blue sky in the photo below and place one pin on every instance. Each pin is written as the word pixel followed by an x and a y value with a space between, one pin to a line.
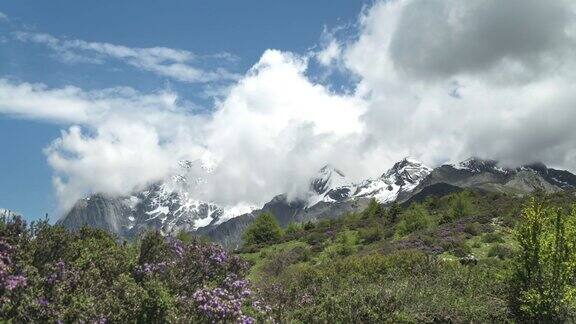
pixel 108 96
pixel 241 28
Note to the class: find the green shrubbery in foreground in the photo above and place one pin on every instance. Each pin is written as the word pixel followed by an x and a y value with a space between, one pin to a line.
pixel 490 260
pixel 371 269
pixel 48 274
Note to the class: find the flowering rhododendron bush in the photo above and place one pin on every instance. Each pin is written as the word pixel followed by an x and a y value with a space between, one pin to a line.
pixel 48 274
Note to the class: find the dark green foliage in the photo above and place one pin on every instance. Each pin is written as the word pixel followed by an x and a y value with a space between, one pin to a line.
pixel 460 205
pixel 292 229
pixel 472 228
pixel 308 226
pixel 264 229
pixel 457 246
pixel 374 210
pixel 370 234
pixel 153 249
pixel 394 212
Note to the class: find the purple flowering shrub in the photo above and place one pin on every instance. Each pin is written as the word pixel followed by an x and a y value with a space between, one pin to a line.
pixel 9 281
pixel 48 274
pixel 209 281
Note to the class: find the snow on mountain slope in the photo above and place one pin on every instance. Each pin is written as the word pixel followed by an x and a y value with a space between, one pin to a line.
pixel 175 204
pixel 331 185
pixel 403 177
pixel 170 206
pixel 477 165
pixel 322 186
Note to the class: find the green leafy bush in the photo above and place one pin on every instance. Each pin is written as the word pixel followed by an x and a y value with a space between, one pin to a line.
pixel 400 287
pixel 374 210
pixel 501 251
pixel 460 205
pixel 413 219
pixel 264 229
pixel 370 234
pixel 472 228
pixel 493 237
pixel 544 274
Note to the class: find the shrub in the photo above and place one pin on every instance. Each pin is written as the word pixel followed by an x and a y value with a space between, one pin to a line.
pixel 493 237
pixel 457 246
pixel 292 229
pixel 264 229
pixel 370 234
pixel 500 251
pixel 308 226
pixel 414 219
pixel 50 275
pixel 459 205
pixel 542 282
pixel 472 228
pixel 394 212
pixel 344 244
pixel 400 287
pixel 374 210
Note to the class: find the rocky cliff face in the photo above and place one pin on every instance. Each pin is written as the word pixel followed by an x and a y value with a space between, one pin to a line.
pixel 100 211
pixel 487 175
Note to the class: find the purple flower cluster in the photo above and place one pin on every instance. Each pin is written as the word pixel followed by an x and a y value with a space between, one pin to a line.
pixel 58 274
pixel 8 282
pixel 151 268
pixel 224 303
pixel 176 247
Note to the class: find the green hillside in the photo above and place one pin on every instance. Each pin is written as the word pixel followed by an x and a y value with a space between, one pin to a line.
pixel 445 259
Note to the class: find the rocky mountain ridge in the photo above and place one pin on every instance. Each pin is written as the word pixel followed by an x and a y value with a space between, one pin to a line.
pixel 170 206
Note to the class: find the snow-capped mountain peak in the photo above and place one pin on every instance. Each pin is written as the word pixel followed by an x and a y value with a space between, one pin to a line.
pixel 407 172
pixel 328 178
pixel 324 184
pixel 477 165
pixel 331 185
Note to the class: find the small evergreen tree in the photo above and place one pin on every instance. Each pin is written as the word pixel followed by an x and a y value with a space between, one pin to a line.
pixel 460 205
pixel 263 230
pixel 374 210
pixel 413 219
pixel 394 212
pixel 544 270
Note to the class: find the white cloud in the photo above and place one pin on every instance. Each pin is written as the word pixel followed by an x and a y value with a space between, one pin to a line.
pixel 120 141
pixel 330 53
pixel 273 130
pixel 438 80
pixel 166 62
pixel 448 79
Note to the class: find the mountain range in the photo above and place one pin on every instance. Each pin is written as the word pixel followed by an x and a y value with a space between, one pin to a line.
pixel 172 205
